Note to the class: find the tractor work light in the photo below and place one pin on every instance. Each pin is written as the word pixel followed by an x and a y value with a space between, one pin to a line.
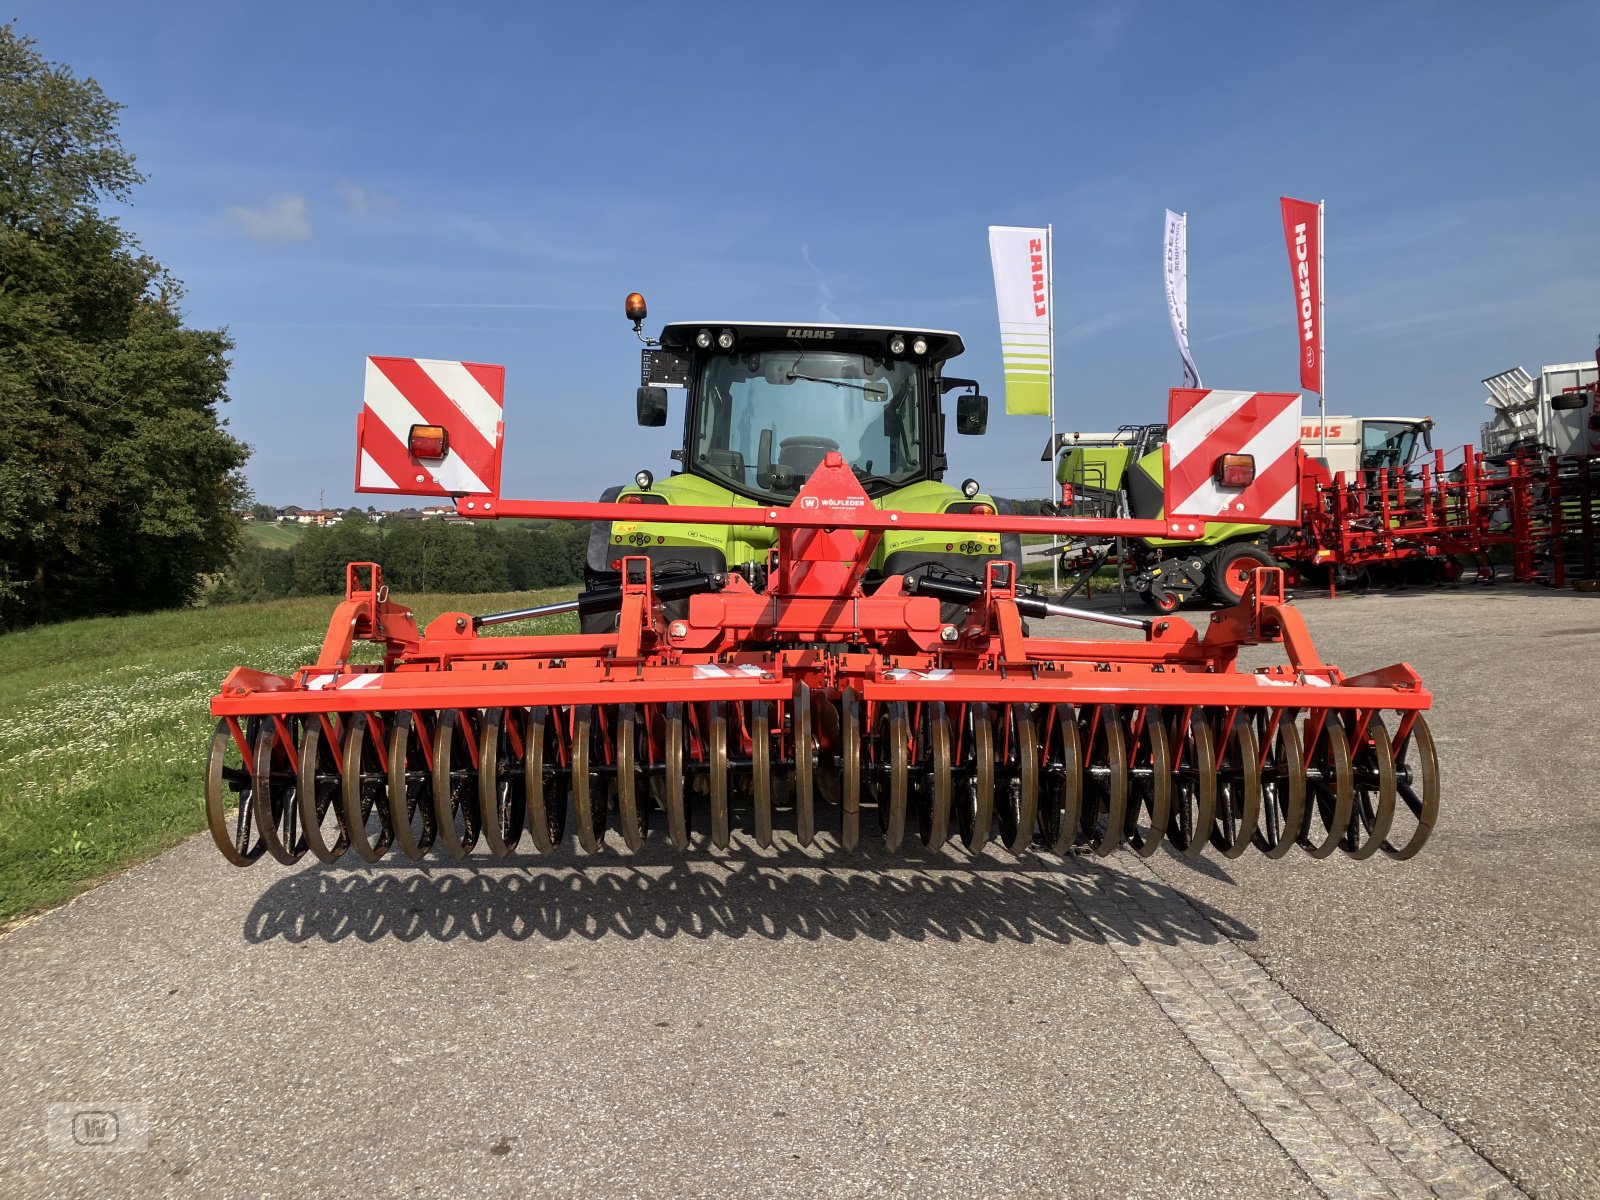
pixel 643 480
pixel 897 345
pixel 1235 470
pixel 428 441
pixel 725 340
pixel 703 339
pixel 969 488
pixel 919 347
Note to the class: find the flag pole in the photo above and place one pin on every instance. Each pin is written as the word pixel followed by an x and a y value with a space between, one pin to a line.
pixel 1322 333
pixel 1050 301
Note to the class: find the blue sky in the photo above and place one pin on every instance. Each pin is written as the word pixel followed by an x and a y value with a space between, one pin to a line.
pixel 487 182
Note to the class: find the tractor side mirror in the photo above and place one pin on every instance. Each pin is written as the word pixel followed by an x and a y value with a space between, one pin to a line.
pixel 972 414
pixel 1568 401
pixel 651 403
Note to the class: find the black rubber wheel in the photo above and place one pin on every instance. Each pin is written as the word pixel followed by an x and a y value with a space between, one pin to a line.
pixel 1228 570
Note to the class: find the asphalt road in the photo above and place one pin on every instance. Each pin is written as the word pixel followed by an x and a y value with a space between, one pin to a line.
pixel 920 1025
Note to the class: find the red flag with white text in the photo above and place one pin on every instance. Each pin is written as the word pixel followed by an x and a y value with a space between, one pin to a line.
pixel 1302 230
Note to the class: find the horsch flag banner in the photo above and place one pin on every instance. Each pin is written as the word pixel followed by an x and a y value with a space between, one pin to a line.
pixel 1176 271
pixel 1021 260
pixel 1302 230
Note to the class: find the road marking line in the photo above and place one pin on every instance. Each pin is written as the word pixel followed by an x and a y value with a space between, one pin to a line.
pixel 1354 1131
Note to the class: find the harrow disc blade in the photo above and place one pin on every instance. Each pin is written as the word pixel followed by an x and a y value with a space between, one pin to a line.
pixel 975 814
pixel 1194 784
pixel 672 797
pixel 633 803
pixel 1417 781
pixel 362 782
pixel 934 813
pixel 546 800
pixel 229 776
pixel 1372 764
pixel 1238 787
pixel 761 770
pixel 849 770
pixel 1331 786
pixel 803 745
pixel 893 745
pixel 502 801
pixel 1105 784
pixel 716 755
pixel 273 781
pixel 1018 808
pixel 1062 810
pixel 317 790
pixel 588 798
pixel 1149 781
pixel 410 786
pixel 455 782
pixel 1283 786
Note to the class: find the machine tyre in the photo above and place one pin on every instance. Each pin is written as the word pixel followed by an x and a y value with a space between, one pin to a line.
pixel 1228 572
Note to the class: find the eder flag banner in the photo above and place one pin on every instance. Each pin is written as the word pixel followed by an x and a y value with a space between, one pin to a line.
pixel 1021 260
pixel 1175 265
pixel 1302 230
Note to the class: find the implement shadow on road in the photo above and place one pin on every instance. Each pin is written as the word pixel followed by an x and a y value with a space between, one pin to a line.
pixel 875 896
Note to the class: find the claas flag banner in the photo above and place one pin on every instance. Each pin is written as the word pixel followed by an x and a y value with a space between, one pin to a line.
pixel 1021 260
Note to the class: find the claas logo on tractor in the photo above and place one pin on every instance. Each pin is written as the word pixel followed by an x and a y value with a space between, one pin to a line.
pixel 430 427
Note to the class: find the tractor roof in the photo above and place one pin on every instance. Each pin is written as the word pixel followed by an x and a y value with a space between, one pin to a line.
pixel 942 343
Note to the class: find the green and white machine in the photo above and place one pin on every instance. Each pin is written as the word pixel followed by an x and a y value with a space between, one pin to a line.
pixel 762 404
pixel 1121 474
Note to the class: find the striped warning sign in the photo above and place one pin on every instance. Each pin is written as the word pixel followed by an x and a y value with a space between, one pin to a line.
pixel 466 399
pixel 1204 425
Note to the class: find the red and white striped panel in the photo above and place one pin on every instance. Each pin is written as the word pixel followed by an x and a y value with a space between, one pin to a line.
pixel 1203 425
pixel 466 398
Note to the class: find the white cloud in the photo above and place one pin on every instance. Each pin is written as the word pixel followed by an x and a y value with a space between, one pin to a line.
pixel 284 219
pixel 825 310
pixel 364 202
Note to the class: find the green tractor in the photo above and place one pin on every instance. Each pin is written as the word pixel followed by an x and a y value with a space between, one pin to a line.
pixel 1121 474
pixel 763 404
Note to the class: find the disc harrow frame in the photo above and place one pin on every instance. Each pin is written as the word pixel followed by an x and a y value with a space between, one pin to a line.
pixel 795 709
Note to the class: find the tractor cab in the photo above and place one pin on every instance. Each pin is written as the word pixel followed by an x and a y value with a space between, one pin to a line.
pixel 764 403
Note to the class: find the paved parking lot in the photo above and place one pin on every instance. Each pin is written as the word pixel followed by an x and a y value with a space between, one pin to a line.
pixel 922 1024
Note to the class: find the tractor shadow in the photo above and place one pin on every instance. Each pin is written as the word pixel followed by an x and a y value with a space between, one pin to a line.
pixel 746 893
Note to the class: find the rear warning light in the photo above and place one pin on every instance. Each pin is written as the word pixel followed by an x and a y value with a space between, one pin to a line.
pixel 429 441
pixel 1235 470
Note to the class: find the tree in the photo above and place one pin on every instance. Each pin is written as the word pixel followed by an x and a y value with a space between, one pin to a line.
pixel 321 556
pixel 118 481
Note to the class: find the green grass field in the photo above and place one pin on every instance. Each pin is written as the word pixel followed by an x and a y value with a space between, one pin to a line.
pixel 104 724
pixel 276 537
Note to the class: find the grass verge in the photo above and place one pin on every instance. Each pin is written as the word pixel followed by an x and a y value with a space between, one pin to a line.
pixel 103 728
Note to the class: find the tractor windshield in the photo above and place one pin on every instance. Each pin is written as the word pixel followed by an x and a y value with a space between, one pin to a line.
pixel 1387 444
pixel 763 421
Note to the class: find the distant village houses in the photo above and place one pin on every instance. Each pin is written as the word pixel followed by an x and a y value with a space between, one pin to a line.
pixel 293 514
